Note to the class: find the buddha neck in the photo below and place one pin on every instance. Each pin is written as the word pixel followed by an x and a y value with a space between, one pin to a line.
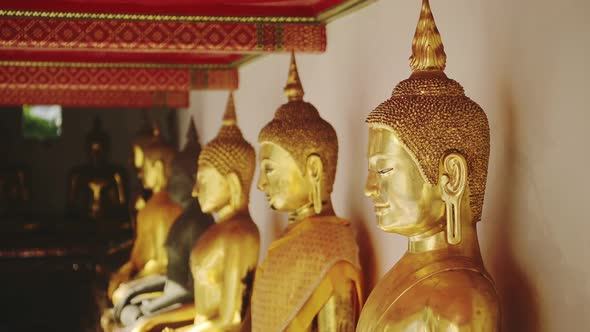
pixel 97 162
pixel 307 211
pixel 158 188
pixel 436 239
pixel 160 184
pixel 229 211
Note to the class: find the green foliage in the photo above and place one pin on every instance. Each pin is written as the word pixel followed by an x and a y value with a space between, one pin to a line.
pixel 38 128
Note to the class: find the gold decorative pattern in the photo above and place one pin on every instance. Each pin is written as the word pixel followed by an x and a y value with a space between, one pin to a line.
pixel 294 266
pixel 88 78
pixel 104 76
pixel 158 36
pixel 95 98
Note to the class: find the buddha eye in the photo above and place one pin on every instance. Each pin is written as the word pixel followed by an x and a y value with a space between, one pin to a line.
pixel 385 170
pixel 268 169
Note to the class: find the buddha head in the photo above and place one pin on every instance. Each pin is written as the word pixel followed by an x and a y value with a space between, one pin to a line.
pixel 428 147
pixel 157 163
pixel 97 144
pixel 225 168
pixel 147 133
pixel 298 153
pixel 184 168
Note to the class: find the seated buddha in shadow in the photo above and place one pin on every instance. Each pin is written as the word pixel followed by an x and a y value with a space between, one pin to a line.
pixel 97 190
pixel 147 134
pixel 148 254
pixel 224 258
pixel 15 193
pixel 177 287
pixel 310 279
pixel 428 157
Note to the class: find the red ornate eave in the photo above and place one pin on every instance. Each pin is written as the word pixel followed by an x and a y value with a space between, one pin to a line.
pixel 108 35
pixel 151 45
pixel 170 26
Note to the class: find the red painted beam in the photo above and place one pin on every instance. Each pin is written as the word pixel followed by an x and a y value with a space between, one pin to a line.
pixel 100 77
pixel 157 37
pixel 95 98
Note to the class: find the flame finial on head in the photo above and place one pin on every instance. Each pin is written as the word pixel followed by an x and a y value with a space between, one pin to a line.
pixel 428 53
pixel 293 90
pixel 97 123
pixel 229 152
pixel 191 134
pixel 229 117
pixel 156 129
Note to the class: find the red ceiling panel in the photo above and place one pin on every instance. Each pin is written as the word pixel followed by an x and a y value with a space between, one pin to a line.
pixel 308 8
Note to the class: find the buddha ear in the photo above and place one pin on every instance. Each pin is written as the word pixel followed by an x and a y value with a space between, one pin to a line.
pixel 315 172
pixel 235 190
pixel 453 183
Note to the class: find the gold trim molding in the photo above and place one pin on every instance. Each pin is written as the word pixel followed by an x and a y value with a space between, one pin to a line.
pixel 232 65
pixel 147 17
pixel 324 17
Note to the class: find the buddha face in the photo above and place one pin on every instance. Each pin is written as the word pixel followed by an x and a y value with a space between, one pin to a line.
pixel 211 189
pixel 285 186
pixel 404 202
pixel 153 174
pixel 138 157
pixel 96 152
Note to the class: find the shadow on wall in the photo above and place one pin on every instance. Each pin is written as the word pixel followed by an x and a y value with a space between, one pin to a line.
pixel 520 312
pixel 366 255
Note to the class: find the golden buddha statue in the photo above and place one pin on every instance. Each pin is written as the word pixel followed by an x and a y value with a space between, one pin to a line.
pixel 310 279
pixel 224 258
pixel 148 255
pixel 177 287
pixel 97 189
pixel 145 136
pixel 428 158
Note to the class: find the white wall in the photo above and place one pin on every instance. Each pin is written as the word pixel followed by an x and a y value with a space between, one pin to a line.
pixel 526 63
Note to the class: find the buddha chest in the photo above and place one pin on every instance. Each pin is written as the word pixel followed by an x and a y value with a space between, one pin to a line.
pixel 431 292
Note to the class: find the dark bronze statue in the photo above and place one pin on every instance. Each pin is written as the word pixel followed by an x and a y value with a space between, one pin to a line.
pixel 97 190
pixel 15 192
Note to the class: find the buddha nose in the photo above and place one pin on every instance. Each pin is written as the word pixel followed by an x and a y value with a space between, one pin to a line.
pixel 371 185
pixel 261 181
pixel 195 192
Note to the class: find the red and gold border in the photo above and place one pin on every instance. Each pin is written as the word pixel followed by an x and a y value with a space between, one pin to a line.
pixel 95 98
pixel 155 36
pixel 88 76
pixel 214 79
